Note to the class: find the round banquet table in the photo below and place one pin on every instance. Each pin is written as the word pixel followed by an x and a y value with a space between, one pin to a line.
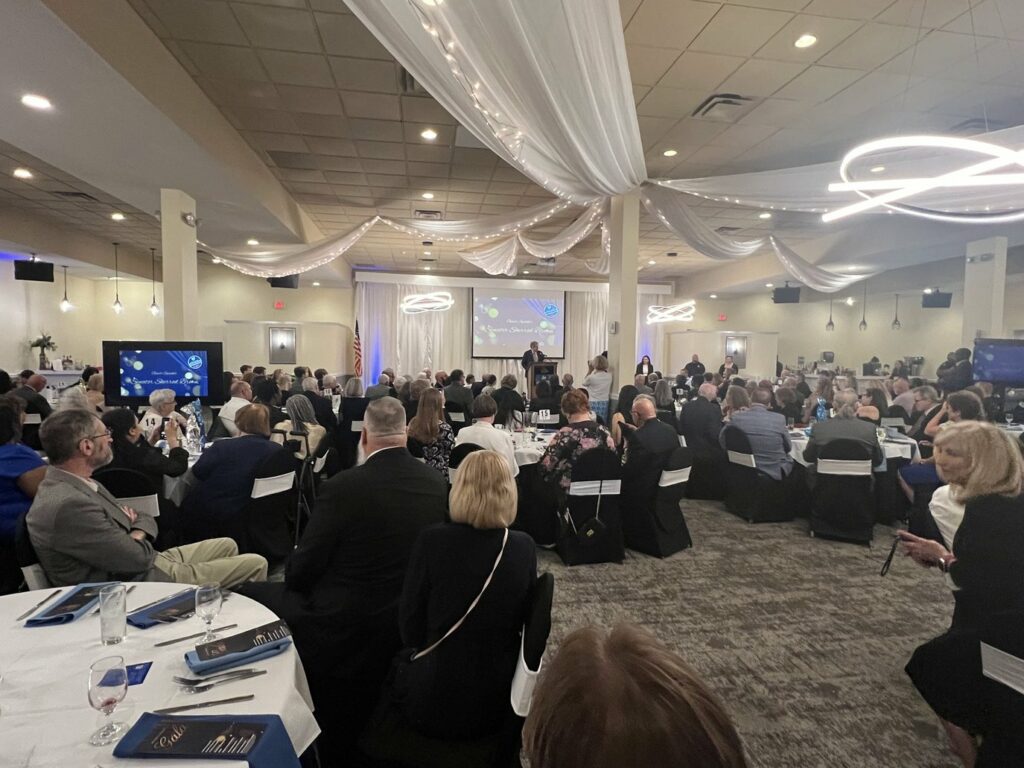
pixel 45 717
pixel 894 448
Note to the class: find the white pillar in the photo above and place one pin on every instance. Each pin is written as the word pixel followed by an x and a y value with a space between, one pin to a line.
pixel 180 272
pixel 622 284
pixel 984 289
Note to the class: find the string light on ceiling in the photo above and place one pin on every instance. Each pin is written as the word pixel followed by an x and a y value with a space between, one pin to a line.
pixel 676 313
pixel 414 304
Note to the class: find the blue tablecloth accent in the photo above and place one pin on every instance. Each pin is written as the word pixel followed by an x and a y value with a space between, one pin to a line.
pixel 144 619
pixel 50 615
pixel 235 659
pixel 273 750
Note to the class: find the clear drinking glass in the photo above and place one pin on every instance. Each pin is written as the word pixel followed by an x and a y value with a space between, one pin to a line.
pixel 208 602
pixel 1009 417
pixel 108 685
pixel 113 616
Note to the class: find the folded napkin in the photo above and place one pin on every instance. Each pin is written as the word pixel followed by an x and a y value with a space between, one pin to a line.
pixel 239 649
pixel 260 740
pixel 177 606
pixel 75 603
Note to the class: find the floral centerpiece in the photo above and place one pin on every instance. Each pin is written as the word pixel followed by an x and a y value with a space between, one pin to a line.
pixel 45 343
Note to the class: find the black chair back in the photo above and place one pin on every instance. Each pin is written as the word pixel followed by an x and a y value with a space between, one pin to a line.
pixel 460 452
pixel 898 412
pixel 654 524
pixel 457 416
pixel 668 416
pixel 842 501
pixel 750 493
pixel 217 430
pixel 268 521
pixel 124 483
pixel 350 426
pixel 591 523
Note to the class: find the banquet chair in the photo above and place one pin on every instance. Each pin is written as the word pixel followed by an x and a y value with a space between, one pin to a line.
pixel 459 453
pixel 131 488
pixel 590 524
pixel 656 525
pixel 668 416
pixel 217 430
pixel 25 554
pixel 266 523
pixel 750 493
pixel 842 501
pixel 391 742
pixel 350 427
pixel 456 416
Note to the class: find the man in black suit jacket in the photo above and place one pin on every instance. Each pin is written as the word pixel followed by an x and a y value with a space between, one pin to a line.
pixel 650 443
pixel 487 380
pixel 532 355
pixel 343 582
pixel 701 422
pixel 457 391
pixel 322 408
pixel 35 403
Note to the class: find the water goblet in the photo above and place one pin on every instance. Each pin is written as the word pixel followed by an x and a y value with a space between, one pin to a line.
pixel 108 685
pixel 1009 417
pixel 208 602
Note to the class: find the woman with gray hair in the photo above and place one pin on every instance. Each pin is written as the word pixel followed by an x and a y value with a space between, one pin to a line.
pixel 302 419
pixel 354 387
pixel 161 406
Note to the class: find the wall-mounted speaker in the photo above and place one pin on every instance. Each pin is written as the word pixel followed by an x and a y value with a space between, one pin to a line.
pixel 936 300
pixel 786 295
pixel 288 281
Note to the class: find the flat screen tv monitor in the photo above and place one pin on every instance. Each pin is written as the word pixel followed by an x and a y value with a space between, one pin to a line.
pixel 1000 361
pixel 132 370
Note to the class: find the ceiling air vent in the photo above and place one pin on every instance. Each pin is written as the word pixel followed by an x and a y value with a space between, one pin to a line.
pixel 423 213
pixel 408 85
pixel 75 196
pixel 725 107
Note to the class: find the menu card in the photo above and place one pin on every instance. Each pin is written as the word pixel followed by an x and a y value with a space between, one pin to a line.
pixel 243 641
pixel 199 738
pixel 184 606
pixel 74 602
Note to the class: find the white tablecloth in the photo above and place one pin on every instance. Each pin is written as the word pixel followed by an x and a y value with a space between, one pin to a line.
pixel 529 449
pixel 45 717
pixel 893 448
pixel 177 488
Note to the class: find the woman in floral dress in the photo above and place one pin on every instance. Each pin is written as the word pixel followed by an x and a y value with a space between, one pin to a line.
pixel 582 434
pixel 429 429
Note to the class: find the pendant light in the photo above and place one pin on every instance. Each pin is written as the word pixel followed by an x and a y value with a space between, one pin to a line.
pixel 65 305
pixel 864 312
pixel 154 308
pixel 830 326
pixel 118 307
pixel 896 324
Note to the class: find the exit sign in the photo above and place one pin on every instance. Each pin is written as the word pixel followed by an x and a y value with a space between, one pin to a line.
pixel 278 305
pixel 722 317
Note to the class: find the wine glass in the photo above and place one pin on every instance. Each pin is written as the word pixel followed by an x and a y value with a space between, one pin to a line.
pixel 208 602
pixel 108 685
pixel 1008 415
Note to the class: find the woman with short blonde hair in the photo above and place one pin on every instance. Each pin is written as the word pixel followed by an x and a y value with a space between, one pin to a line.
pixel 94 392
pixel 484 494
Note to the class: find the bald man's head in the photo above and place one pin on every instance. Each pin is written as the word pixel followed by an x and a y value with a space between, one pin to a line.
pixel 37 382
pixel 644 409
pixel 708 390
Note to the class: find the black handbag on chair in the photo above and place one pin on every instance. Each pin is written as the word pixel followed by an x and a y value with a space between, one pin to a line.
pixel 590 526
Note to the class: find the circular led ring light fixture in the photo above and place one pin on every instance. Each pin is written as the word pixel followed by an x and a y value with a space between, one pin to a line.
pixel 416 303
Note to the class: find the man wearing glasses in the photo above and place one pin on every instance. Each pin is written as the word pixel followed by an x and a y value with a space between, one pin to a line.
pixel 82 534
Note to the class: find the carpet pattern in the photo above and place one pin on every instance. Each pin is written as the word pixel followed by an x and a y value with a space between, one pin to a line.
pixel 800 637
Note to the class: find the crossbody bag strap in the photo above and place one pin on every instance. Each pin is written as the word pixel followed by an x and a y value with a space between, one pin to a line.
pixel 472 605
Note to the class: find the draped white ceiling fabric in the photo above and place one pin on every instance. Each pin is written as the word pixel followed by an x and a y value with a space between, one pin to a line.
pixel 498 258
pixel 543 83
pixel 483 228
pixel 812 275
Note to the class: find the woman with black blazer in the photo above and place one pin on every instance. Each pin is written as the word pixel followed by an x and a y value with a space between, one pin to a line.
pixel 645 366
pixel 985 472
pixel 132 450
pixel 460 689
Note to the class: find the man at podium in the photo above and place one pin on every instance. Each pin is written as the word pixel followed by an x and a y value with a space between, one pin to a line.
pixel 532 355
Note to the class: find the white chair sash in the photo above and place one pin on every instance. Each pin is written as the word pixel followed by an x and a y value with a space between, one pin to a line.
pixel 35 576
pixel 1002 667
pixel 744 459
pixel 268 486
pixel 33 418
pixel 524 681
pixel 847 467
pixel 674 477
pixel 318 463
pixel 682 441
pixel 357 426
pixel 595 488
pixel 457 417
pixel 149 504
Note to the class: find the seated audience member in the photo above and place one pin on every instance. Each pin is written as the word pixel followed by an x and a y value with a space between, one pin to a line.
pixel 431 433
pixel 508 399
pixel 131 449
pixel 227 469
pixel 73 397
pixel 462 692
pixel 700 422
pixel 767 433
pixel 845 426
pixel 482 432
pixel 329 386
pixel 487 380
pixel 623 413
pixel 381 389
pixel 161 406
pixel 343 582
pixel 81 534
pixel 267 394
pixel 301 373
pixel 284 386
pixel 94 392
pixel 788 403
pixel 354 387
pixel 818 406
pixel 984 470
pixel 392 380
pixel 241 396
pixel 416 390
pixel 902 394
pixel 736 399
pixel 440 380
pixel 29 389
pixel 666 402
pixel 457 392
pixel 21 471
pixel 567 382
pixel 640 383
pixel 323 408
pixel 5 382
pixel 629 677
pixel 598 383
pixel 649 441
pixel 959 406
pixel 802 387
pixel 926 406
pixel 300 419
pixel 581 434
pixel 873 406
pixel 259 370
pixel 543 398
pixel 983 389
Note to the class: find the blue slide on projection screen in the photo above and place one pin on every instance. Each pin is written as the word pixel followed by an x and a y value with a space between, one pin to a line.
pixel 190 369
pixel 999 361
pixel 506 321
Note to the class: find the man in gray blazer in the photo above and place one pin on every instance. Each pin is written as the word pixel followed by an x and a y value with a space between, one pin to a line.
pixel 81 533
pixel 767 433
pixel 381 389
pixel 844 426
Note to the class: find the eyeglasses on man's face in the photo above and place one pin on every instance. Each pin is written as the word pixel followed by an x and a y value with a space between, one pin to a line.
pixel 108 432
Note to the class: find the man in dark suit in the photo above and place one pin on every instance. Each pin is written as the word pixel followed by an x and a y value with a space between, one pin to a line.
pixel 381 389
pixel 487 380
pixel 701 422
pixel 532 355
pixel 457 391
pixel 322 408
pixel 649 444
pixel 343 582
pixel 35 404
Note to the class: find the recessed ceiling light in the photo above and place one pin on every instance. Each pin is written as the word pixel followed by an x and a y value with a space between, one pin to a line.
pixel 426 253
pixel 427 269
pixel 878 169
pixel 252 241
pixel 652 262
pixel 117 216
pixel 36 101
pixel 316 285
pixel 670 153
pixel 215 260
pixel 805 41
pixel 927 290
pixel 526 271
pixel 713 296
pixel 429 134
pixel 769 285
pixel 764 215
pixel 22 173
pixel 428 195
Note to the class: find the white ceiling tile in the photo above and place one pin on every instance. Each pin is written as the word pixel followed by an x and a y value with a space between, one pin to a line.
pixel 670 102
pixel 639 91
pixel 424 153
pixel 434 170
pixel 283 142
pixel 300 174
pixel 319 101
pixel 392 167
pixel 321 125
pixel 424 110
pixel 700 71
pixel 297 68
pixel 225 61
pixel 653 128
pixel 471 172
pixel 996 18
pixel 647 64
pixel 819 83
pixel 279 28
pixel 341 177
pixel 848 9
pixel 934 14
pixel 761 79
pixel 830 32
pixel 243 93
pixel 445 134
pixel 472 156
pixel 344 35
pixel 692 132
pixel 377 106
pixel 669 23
pixel 776 112
pixel 365 74
pixel 935 55
pixel 374 130
pixel 627 8
pixel 261 119
pixel 870 46
pixel 743 135
pixel 739 31
pixel 324 146
pixel 199 20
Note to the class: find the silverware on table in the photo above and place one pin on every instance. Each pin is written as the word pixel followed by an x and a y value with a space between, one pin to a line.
pixel 39 605
pixel 204 705
pixel 126 593
pixel 200 680
pixel 192 637
pixel 207 686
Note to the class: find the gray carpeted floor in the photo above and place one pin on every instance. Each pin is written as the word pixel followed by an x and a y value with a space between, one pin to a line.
pixel 800 637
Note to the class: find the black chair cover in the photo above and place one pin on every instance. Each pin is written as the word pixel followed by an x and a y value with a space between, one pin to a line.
pixel 654 524
pixel 751 493
pixel 843 506
pixel 266 524
pixel 590 529
pixel 460 452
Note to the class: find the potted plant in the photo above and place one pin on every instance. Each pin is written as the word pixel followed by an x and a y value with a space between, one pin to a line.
pixel 45 343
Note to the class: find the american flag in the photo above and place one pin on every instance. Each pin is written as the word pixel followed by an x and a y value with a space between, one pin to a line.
pixel 357 352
